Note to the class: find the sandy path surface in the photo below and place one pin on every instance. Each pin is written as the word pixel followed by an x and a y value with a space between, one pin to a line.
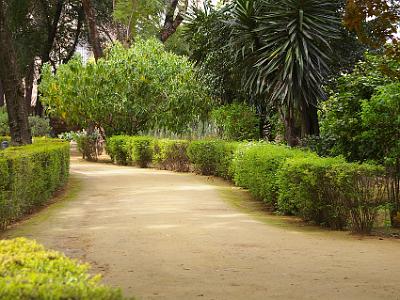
pixel 164 235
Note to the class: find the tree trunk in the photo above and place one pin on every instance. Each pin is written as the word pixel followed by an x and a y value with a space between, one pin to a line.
pixel 94 38
pixel 290 128
pixel 12 85
pixel 309 118
pixel 1 95
pixel 171 24
pixel 30 74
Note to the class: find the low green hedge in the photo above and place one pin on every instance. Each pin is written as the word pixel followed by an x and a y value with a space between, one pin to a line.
pixel 212 157
pixel 255 166
pixel 126 150
pixel 29 271
pixel 29 176
pixel 171 155
pixel 331 192
pixel 327 191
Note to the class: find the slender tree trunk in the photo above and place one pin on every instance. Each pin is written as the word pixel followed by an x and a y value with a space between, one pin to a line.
pixel 1 95
pixel 12 85
pixel 290 128
pixel 172 22
pixel 29 86
pixel 94 38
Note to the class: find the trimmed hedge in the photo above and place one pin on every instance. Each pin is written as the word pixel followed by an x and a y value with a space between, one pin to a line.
pixel 29 176
pixel 29 271
pixel 212 157
pixel 255 167
pixel 171 155
pixel 326 191
pixel 127 150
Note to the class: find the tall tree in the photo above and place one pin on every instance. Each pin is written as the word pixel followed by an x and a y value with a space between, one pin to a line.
pixel 284 49
pixel 174 15
pixel 12 83
pixel 94 37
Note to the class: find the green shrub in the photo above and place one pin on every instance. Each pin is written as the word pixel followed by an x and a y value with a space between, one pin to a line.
pixel 171 155
pixel 237 122
pixel 29 271
pixel 30 174
pixel 115 147
pixel 255 167
pixel 140 150
pixel 307 188
pixel 88 144
pixel 39 126
pixel 126 150
pixel 331 192
pixel 212 157
pixel 4 127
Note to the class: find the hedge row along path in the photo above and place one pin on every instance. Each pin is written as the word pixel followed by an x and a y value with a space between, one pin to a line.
pixel 164 235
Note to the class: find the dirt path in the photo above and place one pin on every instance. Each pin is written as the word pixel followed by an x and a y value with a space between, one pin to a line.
pixel 164 235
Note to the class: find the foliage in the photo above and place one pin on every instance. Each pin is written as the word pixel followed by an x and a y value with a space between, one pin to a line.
pixel 206 34
pixel 140 150
pixel 115 147
pixel 212 157
pixel 341 123
pixel 39 126
pixel 4 128
pixel 331 192
pixel 88 144
pixel 381 121
pixel 237 122
pixel 255 166
pixel 171 155
pixel 126 150
pixel 29 176
pixel 131 90
pixel 374 21
pixel 140 17
pixel 29 271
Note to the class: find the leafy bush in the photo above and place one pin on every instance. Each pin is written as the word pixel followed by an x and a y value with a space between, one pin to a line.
pixel 255 167
pixel 126 150
pixel 212 157
pixel 331 192
pixel 237 122
pixel 39 126
pixel 128 91
pixel 140 150
pixel 116 148
pixel 88 144
pixel 341 123
pixel 171 155
pixel 380 117
pixel 307 189
pixel 29 271
pixel 29 176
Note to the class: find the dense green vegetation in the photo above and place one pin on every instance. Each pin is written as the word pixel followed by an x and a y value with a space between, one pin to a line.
pixel 327 191
pixel 30 175
pixel 29 271
pixel 127 91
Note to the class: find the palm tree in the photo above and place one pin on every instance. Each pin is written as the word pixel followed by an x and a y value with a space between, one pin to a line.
pixel 283 48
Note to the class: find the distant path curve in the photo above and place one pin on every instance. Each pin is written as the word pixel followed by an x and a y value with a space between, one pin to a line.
pixel 164 235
